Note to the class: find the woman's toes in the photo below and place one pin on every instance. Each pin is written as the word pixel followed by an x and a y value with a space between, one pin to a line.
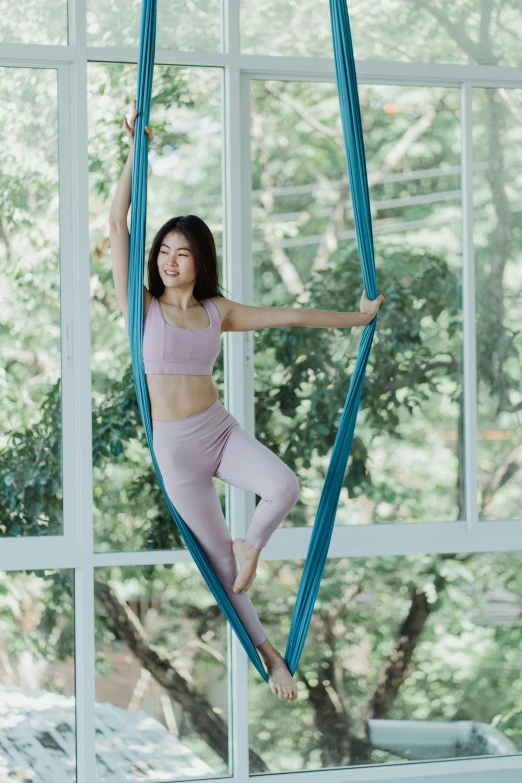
pixel 281 681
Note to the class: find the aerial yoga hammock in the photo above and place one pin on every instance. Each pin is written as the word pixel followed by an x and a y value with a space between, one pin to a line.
pixel 325 518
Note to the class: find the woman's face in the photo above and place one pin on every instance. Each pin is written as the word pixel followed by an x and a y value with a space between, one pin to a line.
pixel 176 263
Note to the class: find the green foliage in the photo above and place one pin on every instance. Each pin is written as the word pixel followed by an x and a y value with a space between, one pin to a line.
pixel 465 662
pixel 30 475
pixel 309 369
pixel 37 614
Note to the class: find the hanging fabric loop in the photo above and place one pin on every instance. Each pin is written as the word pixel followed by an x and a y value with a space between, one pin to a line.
pixel 325 518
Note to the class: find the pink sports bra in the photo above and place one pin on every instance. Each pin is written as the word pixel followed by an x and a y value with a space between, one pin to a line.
pixel 174 350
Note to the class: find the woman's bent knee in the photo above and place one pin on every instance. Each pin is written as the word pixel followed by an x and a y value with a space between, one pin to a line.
pixel 285 492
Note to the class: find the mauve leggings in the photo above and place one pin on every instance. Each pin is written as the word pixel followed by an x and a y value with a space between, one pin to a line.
pixel 190 451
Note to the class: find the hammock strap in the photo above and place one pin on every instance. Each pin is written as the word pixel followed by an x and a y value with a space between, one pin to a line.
pixel 329 500
pixel 325 519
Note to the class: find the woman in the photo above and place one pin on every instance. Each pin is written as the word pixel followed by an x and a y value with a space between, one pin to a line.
pixel 194 436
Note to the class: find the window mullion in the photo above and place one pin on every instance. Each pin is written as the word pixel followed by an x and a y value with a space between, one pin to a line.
pixel 238 353
pixel 469 309
pixel 78 297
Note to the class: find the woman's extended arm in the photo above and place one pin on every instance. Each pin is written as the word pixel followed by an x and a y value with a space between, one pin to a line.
pixel 118 229
pixel 305 316
pixel 245 318
pixel 122 196
pixel 339 320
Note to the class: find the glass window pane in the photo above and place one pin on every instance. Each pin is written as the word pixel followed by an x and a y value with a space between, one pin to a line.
pixel 407 446
pixel 34 22
pixel 185 178
pixel 497 134
pixel 470 32
pixel 407 659
pixel 194 27
pixel 161 662
pixel 37 702
pixel 30 361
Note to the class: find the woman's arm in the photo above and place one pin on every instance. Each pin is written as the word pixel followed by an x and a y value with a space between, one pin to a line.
pixel 120 241
pixel 119 237
pixel 340 320
pixel 330 318
pixel 122 196
pixel 245 318
pixel 118 229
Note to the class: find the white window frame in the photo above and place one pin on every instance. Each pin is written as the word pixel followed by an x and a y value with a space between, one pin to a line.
pixel 74 550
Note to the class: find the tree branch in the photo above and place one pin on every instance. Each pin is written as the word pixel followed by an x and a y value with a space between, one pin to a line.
pixel 206 722
pixel 467 45
pixel 403 145
pixel 331 717
pixel 397 667
pixel 500 477
pixel 419 375
pixel 281 262
pixel 393 158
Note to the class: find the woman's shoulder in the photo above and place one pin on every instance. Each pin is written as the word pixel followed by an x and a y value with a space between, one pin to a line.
pixel 222 305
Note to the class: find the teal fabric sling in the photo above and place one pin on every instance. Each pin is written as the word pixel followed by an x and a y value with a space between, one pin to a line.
pixel 327 509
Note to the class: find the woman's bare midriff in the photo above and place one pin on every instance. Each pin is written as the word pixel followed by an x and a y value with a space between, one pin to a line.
pixel 179 396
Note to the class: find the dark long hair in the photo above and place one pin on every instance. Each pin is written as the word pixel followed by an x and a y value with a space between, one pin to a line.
pixel 203 248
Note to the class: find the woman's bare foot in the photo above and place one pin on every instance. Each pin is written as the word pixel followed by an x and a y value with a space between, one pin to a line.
pixel 248 556
pixel 279 678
